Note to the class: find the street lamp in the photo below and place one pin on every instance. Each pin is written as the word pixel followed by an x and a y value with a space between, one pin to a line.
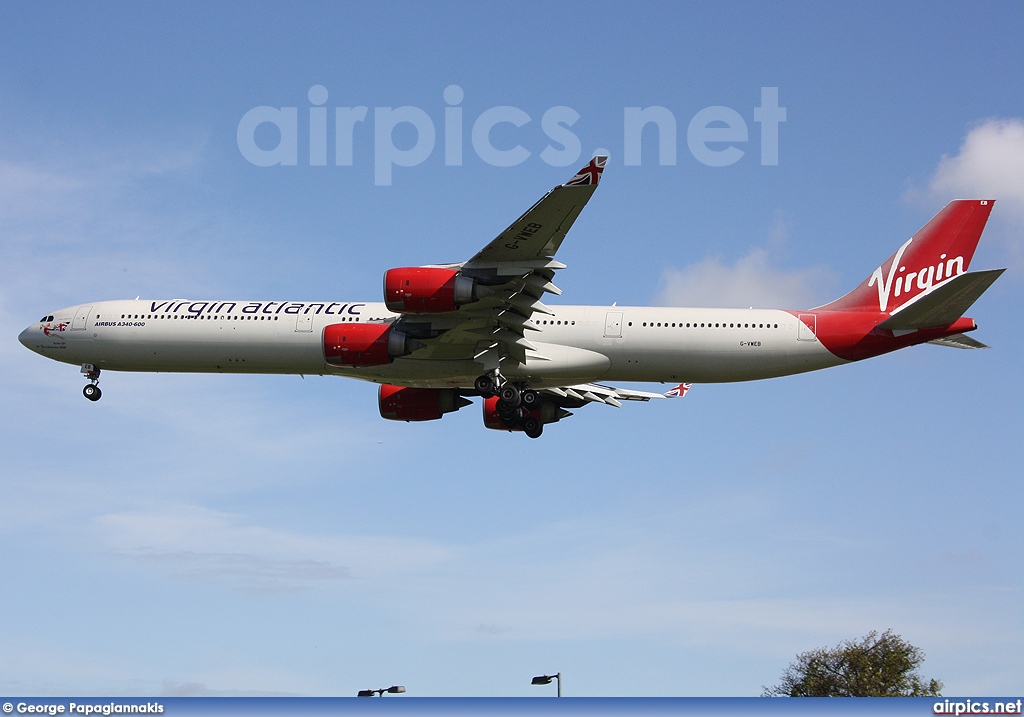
pixel 394 690
pixel 546 680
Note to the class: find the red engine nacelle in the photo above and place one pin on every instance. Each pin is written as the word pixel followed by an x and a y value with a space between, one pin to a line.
pixel 404 403
pixel 427 290
pixel 363 344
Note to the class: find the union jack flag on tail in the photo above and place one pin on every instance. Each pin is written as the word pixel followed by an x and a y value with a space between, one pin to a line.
pixel 591 174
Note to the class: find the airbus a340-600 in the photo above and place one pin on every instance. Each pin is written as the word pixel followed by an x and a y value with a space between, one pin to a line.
pixel 478 328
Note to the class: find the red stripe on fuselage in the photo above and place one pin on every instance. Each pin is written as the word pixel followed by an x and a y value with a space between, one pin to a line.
pixel 853 336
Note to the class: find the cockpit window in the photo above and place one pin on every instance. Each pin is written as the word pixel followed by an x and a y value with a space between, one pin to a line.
pixel 45 319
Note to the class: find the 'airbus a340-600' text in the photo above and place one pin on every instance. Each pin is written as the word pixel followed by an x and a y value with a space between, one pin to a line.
pixel 449 332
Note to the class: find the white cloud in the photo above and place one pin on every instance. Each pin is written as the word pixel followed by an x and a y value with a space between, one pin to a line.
pixel 193 543
pixel 58 185
pixel 990 165
pixel 169 688
pixel 754 280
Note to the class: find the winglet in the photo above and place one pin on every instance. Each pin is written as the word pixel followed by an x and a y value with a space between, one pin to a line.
pixel 678 392
pixel 589 175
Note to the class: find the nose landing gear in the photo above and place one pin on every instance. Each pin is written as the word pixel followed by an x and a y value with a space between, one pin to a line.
pixel 91 391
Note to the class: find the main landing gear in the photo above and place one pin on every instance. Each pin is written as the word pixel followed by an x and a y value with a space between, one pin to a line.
pixel 92 391
pixel 515 404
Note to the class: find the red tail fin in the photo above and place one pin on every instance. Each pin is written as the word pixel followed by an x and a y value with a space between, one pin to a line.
pixel 939 251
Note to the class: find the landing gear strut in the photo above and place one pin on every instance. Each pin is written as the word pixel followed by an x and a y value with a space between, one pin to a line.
pixel 91 391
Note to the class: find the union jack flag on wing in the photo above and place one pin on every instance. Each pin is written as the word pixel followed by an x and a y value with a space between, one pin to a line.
pixel 591 174
pixel 678 392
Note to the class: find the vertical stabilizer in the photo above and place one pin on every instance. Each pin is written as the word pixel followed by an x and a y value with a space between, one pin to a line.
pixel 941 250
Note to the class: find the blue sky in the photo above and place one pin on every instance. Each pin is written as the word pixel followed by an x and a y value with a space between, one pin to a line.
pixel 273 535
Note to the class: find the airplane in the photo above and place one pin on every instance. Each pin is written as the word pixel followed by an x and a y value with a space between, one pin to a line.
pixel 448 332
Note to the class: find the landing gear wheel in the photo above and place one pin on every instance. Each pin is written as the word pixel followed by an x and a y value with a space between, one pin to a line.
pixel 510 395
pixel 531 399
pixel 507 411
pixel 484 385
pixel 92 392
pixel 509 421
pixel 532 427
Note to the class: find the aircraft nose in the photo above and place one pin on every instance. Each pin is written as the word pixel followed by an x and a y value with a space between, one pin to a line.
pixel 25 337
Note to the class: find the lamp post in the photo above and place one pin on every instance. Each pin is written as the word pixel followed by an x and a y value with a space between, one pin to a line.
pixel 546 680
pixel 393 690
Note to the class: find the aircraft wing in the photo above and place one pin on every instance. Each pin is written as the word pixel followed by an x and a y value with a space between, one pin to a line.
pixel 596 393
pixel 539 232
pixel 517 269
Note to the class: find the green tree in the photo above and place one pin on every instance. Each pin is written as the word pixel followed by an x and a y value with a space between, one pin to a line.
pixel 875 666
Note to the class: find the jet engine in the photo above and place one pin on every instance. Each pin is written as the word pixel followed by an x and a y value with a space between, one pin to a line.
pixel 404 403
pixel 364 344
pixel 427 290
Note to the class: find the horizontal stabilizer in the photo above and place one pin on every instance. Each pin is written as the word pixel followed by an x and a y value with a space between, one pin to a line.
pixel 943 305
pixel 959 341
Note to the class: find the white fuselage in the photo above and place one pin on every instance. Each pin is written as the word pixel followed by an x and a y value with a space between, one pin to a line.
pixel 578 344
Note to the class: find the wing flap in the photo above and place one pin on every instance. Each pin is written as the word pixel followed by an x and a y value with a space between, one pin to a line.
pixel 597 393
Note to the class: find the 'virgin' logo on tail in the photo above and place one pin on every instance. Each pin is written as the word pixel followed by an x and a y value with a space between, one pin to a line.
pixel 926 278
pixel 885 287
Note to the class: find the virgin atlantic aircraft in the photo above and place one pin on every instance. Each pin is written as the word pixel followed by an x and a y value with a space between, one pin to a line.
pixel 478 328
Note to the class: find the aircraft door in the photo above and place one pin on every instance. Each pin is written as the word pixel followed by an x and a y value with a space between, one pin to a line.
pixel 78 323
pixel 304 323
pixel 807 327
pixel 613 325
